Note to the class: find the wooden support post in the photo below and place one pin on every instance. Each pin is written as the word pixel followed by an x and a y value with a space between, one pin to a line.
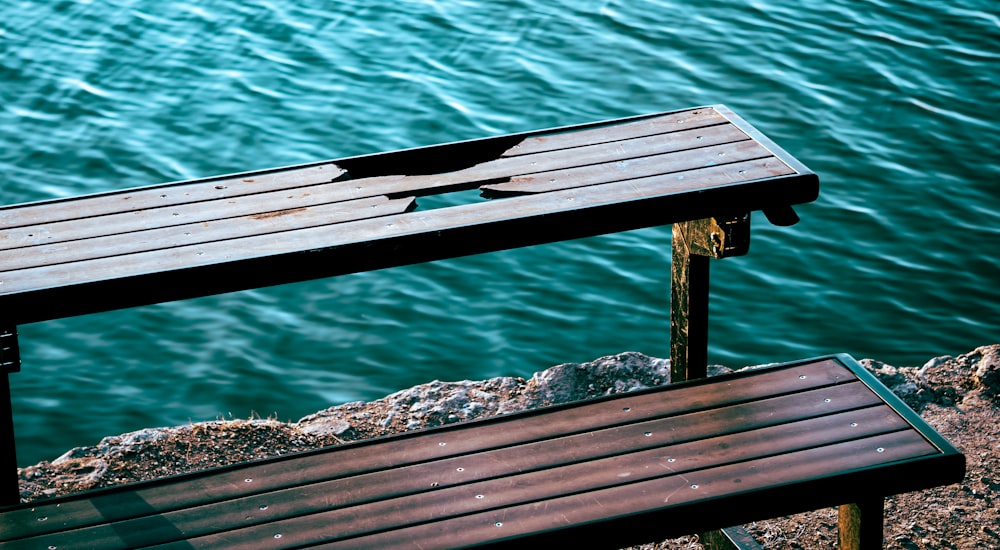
pixel 10 362
pixel 694 243
pixel 688 314
pixel 860 524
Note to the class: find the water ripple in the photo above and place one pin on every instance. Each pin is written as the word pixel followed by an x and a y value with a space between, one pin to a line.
pixel 889 101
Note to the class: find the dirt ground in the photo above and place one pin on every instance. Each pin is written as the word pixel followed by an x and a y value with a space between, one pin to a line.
pixel 958 396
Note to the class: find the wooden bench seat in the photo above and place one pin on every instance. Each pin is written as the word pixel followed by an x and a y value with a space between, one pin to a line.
pixel 672 461
pixel 628 469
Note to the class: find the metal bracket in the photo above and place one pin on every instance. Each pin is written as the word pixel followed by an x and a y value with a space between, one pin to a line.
pixel 716 237
pixel 10 353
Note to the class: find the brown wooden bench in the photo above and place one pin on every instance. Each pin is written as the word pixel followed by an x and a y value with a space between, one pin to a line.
pixel 690 457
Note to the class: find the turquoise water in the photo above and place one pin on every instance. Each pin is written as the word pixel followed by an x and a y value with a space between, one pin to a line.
pixel 892 103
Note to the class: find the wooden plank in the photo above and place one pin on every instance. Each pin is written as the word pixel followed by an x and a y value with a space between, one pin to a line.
pixel 503 477
pixel 673 122
pixel 477 218
pixel 756 135
pixel 262 223
pixel 655 165
pixel 178 215
pixel 151 208
pixel 502 169
pixel 691 458
pixel 669 495
pixel 618 150
pixel 432 445
pixel 169 194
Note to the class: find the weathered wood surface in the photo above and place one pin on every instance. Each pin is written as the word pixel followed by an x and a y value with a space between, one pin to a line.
pixel 60 249
pixel 661 463
pixel 166 195
pixel 188 239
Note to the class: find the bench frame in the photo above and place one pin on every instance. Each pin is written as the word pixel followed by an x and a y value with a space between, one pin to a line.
pixel 707 224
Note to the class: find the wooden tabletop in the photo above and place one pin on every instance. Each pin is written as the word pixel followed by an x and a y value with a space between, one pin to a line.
pixel 182 240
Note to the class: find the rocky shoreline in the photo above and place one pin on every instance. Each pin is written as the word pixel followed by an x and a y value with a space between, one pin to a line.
pixel 959 396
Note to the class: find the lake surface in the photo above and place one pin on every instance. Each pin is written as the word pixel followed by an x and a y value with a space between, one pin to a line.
pixel 892 103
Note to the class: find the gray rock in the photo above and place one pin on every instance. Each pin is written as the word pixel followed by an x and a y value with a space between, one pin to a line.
pixel 624 372
pixel 84 471
pixel 387 421
pixel 986 373
pixel 936 362
pixel 325 425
